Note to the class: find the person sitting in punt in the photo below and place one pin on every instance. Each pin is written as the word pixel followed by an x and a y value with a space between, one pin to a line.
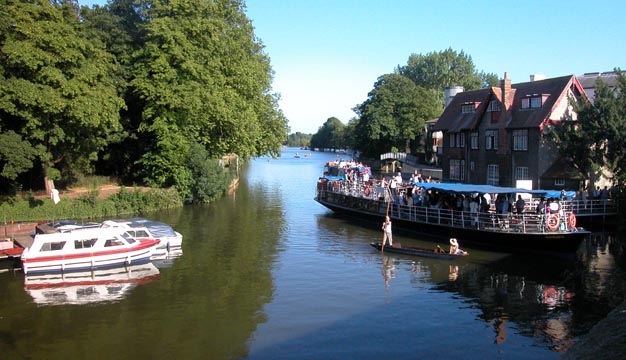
pixel 455 249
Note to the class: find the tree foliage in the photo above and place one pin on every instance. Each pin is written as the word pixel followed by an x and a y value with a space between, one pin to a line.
pixel 299 139
pixel 393 115
pixel 330 135
pixel 440 69
pixel 56 89
pixel 596 142
pixel 141 89
pixel 202 75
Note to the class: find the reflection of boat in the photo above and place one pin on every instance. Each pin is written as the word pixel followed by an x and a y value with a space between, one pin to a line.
pixel 88 287
pixel 527 232
pixel 85 249
pixel 407 250
pixel 140 228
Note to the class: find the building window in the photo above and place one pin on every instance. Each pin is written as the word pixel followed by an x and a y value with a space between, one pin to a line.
pixel 461 142
pixel 468 108
pixel 532 102
pixel 474 141
pixel 493 175
pixel 457 140
pixel 494 106
pixel 457 169
pixel 452 140
pixel 559 182
pixel 535 102
pixel 472 166
pixel 491 139
pixel 520 140
pixel 521 173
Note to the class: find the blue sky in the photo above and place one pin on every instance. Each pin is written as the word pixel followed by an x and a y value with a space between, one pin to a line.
pixel 327 54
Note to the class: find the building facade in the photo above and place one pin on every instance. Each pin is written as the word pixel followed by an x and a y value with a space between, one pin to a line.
pixel 496 136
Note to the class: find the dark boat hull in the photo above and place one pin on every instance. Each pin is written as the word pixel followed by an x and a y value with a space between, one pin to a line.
pixel 507 241
pixel 416 252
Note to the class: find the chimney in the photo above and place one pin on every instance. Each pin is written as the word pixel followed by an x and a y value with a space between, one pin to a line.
pixel 537 77
pixel 449 92
pixel 505 85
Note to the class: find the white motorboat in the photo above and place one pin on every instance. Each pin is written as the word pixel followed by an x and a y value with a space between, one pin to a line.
pixel 85 249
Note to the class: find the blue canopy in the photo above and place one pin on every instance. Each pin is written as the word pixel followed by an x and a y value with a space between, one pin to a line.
pixel 489 189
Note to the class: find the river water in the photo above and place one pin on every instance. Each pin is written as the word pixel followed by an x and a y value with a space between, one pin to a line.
pixel 267 273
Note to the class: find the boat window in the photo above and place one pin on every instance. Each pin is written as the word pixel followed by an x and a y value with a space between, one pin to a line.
pixel 129 237
pixel 142 234
pixel 85 243
pixel 52 246
pixel 113 242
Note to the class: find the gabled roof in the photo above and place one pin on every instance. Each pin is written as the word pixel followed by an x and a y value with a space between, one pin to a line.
pixel 453 120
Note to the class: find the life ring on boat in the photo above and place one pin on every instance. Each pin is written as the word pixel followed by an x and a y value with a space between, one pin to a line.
pixel 571 220
pixel 552 222
pixel 367 191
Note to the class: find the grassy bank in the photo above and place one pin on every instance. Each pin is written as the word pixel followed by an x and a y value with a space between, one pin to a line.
pixel 89 206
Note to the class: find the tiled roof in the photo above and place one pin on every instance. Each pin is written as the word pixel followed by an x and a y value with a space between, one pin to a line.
pixel 453 120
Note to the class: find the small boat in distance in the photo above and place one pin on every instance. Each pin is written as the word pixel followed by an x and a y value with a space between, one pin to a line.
pixel 437 253
pixel 297 156
pixel 85 249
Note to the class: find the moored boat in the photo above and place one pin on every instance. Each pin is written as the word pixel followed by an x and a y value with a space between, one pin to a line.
pixel 528 231
pixel 85 249
pixel 436 253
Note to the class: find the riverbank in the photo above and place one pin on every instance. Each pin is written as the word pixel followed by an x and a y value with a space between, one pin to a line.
pixel 606 340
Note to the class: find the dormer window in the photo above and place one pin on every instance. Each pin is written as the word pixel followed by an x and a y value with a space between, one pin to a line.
pixel 494 106
pixel 534 101
pixel 468 108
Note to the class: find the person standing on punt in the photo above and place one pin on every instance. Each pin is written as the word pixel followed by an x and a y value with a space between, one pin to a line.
pixel 387 232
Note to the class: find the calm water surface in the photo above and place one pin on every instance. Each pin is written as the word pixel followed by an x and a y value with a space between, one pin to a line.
pixel 268 273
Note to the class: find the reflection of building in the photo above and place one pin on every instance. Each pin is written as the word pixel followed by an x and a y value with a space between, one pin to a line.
pixel 496 135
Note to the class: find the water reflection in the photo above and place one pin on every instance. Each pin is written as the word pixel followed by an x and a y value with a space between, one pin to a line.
pixel 91 287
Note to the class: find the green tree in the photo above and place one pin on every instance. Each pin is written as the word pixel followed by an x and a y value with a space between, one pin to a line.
pixel 437 70
pixel 202 76
pixel 393 115
pixel 299 139
pixel 596 140
pixel 56 91
pixel 330 135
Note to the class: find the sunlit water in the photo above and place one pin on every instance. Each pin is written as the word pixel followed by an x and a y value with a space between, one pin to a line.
pixel 267 273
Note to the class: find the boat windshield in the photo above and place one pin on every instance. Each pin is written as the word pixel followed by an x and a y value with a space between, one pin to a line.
pixel 128 237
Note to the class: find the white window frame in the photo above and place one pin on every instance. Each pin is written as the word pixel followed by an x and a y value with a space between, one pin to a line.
pixel 520 140
pixel 536 102
pixel 457 169
pixel 493 174
pixel 491 139
pixel 521 173
pixel 559 182
pixel 494 106
pixel 526 103
pixel 474 140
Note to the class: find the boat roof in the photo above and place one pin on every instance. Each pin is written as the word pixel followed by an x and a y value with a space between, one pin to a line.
pixel 489 189
pixel 157 228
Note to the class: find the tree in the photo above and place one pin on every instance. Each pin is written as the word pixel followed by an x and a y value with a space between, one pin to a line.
pixel 596 140
pixel 330 135
pixel 394 114
pixel 202 76
pixel 438 70
pixel 56 91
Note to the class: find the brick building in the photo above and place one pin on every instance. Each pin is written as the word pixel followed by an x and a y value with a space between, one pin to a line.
pixel 496 135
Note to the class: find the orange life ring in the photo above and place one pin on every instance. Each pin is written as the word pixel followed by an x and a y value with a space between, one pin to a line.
pixel 571 220
pixel 552 222
pixel 367 191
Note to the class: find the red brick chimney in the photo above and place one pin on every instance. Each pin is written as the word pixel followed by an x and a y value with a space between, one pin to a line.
pixel 507 100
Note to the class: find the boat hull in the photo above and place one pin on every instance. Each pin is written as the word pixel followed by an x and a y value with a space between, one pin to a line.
pixel 497 239
pixel 140 254
pixel 416 252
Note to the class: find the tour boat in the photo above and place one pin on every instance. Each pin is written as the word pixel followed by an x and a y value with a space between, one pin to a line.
pixel 85 249
pixel 171 240
pixel 528 231
pixel 88 287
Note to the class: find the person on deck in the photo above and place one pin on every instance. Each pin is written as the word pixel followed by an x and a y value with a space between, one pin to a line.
pixel 520 204
pixel 387 232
